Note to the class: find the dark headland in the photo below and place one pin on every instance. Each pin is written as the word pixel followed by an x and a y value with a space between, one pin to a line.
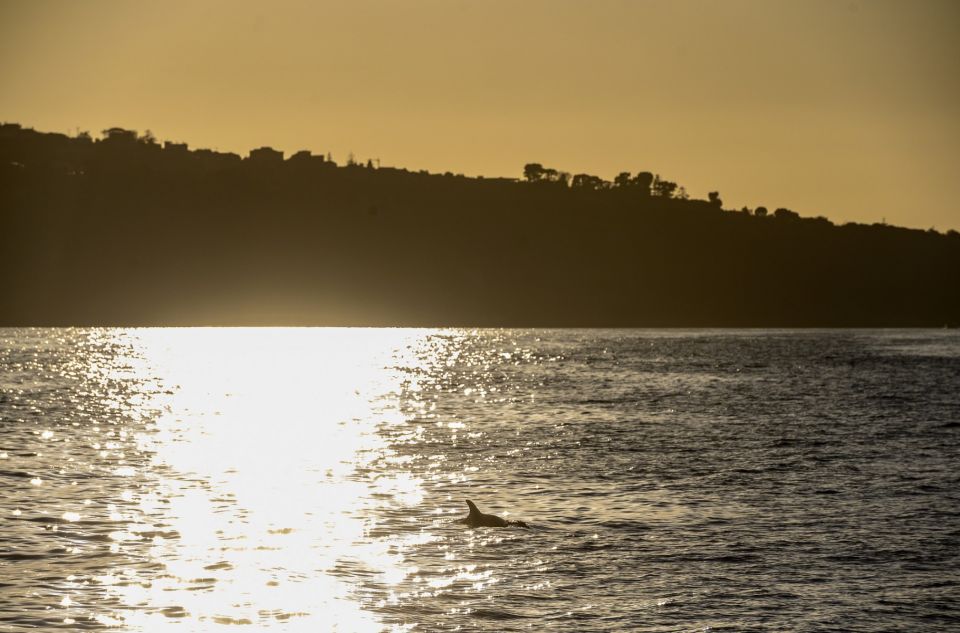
pixel 125 230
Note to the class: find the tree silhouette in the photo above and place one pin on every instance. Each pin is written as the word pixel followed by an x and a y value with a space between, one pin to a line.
pixel 533 171
pixel 622 180
pixel 786 214
pixel 714 198
pixel 587 181
pixel 643 181
pixel 663 188
pixel 147 138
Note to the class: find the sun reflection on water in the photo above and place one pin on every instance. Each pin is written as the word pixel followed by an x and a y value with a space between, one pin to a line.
pixel 260 483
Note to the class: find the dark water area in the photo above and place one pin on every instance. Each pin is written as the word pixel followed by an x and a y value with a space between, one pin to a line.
pixel 310 479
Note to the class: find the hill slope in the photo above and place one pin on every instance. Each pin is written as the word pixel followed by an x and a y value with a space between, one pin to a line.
pixel 123 231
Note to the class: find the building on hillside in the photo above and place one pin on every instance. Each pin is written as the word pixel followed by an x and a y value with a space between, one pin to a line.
pixel 266 155
pixel 305 155
pixel 119 135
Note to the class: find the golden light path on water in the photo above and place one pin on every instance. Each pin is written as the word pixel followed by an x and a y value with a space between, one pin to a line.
pixel 254 453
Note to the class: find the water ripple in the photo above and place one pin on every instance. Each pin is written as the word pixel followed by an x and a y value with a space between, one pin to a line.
pixel 297 479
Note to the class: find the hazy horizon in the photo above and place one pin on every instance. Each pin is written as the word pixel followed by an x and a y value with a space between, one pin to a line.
pixel 846 110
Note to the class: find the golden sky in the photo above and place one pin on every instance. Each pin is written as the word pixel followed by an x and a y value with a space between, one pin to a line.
pixel 843 108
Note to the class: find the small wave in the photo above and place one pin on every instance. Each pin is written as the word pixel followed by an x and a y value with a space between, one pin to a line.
pixel 496 614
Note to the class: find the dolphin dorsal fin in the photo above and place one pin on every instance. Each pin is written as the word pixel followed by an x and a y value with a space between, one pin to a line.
pixel 473 507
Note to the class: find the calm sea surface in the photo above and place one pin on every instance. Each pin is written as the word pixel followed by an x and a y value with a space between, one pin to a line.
pixel 307 480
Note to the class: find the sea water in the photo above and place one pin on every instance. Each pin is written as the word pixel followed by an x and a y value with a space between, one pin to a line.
pixel 310 479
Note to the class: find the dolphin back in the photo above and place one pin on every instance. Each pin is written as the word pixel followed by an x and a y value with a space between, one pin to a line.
pixel 479 519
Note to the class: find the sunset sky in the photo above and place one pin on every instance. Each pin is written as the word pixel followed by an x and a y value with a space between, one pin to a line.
pixel 847 109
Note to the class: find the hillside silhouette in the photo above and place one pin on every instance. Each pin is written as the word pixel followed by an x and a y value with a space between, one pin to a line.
pixel 125 230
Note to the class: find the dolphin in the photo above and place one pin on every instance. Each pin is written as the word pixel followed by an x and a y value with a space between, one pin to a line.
pixel 479 519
